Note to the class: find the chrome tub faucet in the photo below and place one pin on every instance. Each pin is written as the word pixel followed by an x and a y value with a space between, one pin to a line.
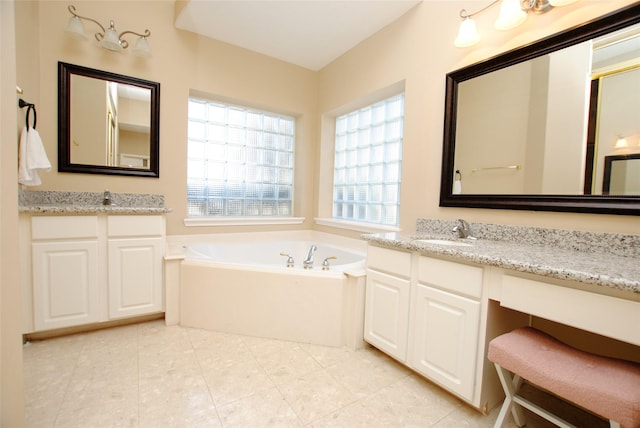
pixel 308 262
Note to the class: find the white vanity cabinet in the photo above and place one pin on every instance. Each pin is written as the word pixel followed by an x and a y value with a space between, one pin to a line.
pixel 65 271
pixel 388 291
pixel 85 269
pixel 434 315
pixel 136 248
pixel 446 323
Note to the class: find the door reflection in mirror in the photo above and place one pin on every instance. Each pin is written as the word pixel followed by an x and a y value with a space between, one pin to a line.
pixel 110 123
pixel 621 175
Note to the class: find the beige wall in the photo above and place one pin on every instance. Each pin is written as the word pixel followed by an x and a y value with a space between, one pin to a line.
pixel 11 390
pixel 417 49
pixel 181 62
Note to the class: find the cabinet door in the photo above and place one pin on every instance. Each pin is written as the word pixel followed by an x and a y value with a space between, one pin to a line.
pixel 135 277
pixel 446 339
pixel 65 284
pixel 386 319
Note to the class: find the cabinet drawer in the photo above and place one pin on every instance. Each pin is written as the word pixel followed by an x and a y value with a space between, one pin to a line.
pixel 398 262
pixel 605 315
pixel 456 277
pixel 138 225
pixel 64 227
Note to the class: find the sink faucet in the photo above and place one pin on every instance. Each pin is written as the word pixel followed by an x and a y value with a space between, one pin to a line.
pixel 463 229
pixel 308 262
pixel 106 197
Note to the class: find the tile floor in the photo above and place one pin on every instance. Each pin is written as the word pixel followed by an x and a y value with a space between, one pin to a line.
pixel 151 375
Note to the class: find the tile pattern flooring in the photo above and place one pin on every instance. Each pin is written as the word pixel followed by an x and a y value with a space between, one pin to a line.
pixel 151 375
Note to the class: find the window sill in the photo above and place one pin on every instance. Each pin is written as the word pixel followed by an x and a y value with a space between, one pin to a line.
pixel 241 221
pixel 354 225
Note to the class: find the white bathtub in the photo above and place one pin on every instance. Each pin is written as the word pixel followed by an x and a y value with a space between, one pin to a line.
pixel 270 255
pixel 241 284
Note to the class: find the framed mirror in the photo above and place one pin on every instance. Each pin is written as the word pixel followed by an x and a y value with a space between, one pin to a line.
pixel 518 130
pixel 107 123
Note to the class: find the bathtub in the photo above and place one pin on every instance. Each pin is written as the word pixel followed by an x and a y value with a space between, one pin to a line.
pixel 240 284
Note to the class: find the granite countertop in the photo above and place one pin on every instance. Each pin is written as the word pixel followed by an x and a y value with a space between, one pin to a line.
pixel 76 203
pixel 607 269
pixel 90 209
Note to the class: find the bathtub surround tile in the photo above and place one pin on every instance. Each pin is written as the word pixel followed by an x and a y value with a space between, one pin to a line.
pixel 153 376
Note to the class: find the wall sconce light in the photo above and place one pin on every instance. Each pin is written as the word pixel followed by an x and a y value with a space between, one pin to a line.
pixel 512 13
pixel 621 142
pixel 627 141
pixel 108 38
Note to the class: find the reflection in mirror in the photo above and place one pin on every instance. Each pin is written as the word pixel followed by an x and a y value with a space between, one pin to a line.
pixel 519 129
pixel 126 110
pixel 621 175
pixel 616 87
pixel 108 123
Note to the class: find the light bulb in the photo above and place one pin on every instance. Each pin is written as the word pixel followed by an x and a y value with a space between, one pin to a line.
pixel 110 40
pixel 511 15
pixel 468 34
pixel 142 48
pixel 75 28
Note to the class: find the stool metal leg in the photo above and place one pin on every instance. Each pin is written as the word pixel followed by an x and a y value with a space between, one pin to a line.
pixel 510 386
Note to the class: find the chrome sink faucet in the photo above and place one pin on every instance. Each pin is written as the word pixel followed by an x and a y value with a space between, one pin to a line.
pixel 463 229
pixel 106 197
pixel 308 262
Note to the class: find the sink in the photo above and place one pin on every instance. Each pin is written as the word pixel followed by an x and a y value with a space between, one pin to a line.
pixel 443 242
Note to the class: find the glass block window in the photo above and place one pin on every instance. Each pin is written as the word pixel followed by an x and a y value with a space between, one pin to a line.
pixel 368 163
pixel 240 161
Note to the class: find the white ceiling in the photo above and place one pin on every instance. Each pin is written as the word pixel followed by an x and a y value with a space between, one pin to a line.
pixel 308 33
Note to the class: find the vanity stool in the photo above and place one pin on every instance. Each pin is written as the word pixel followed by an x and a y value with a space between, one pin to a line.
pixel 606 386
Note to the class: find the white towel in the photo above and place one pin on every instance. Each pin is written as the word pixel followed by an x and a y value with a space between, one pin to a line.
pixel 457 187
pixel 31 158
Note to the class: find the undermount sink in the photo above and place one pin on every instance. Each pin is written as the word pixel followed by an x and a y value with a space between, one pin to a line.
pixel 443 242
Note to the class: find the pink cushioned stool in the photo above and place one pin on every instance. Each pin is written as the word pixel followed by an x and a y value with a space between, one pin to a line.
pixel 606 386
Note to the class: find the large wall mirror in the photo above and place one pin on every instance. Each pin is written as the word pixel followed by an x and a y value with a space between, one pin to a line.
pixel 533 128
pixel 107 123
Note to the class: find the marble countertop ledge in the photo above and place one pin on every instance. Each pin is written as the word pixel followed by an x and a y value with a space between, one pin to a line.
pixel 90 209
pixel 618 272
pixel 77 203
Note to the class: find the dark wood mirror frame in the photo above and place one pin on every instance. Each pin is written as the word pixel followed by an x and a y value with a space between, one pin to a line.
pixel 625 205
pixel 65 71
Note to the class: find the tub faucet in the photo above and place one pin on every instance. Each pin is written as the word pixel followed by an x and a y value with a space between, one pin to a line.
pixel 308 262
pixel 106 197
pixel 463 229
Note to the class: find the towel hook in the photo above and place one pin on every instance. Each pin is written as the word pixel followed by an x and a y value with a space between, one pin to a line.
pixel 30 106
pixel 458 175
